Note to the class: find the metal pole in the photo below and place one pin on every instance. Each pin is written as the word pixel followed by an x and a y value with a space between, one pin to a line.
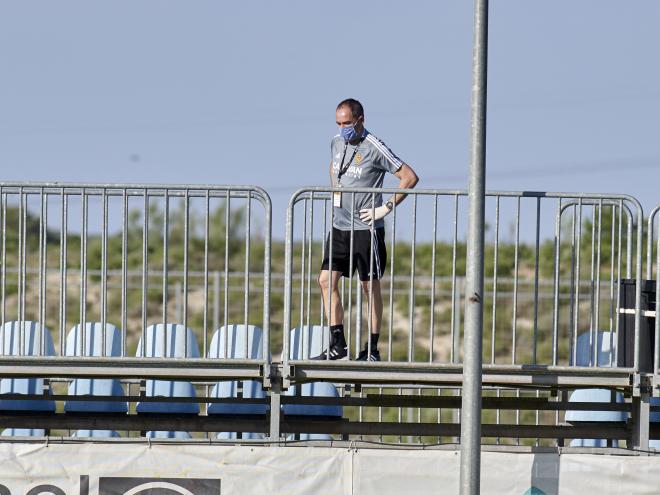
pixel 472 361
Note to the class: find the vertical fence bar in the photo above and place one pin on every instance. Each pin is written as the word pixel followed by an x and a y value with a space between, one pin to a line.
pixel 83 270
pixel 536 279
pixel 650 230
pixel 303 249
pixel 411 301
pixel 24 264
pixel 495 262
pixel 454 349
pixel 516 249
pixel 288 276
pixel 571 306
pixel 216 300
pixel 124 275
pixel 629 241
pixel 226 280
pixel 265 200
pixel 331 280
pixel 638 302
pixel 592 289
pixel 556 283
pixel 576 299
pixel 20 273
pixel 186 262
pixel 104 270
pixel 63 264
pixel 207 220
pixel 246 287
pixel 390 315
pixel 618 271
pixel 597 295
pixel 3 268
pixel 308 308
pixel 351 243
pixel 612 302
pixel 370 302
pixel 42 271
pixel 145 273
pixel 649 243
pixel 656 356
pixel 178 303
pixel 166 254
pixel 433 250
pixel 324 238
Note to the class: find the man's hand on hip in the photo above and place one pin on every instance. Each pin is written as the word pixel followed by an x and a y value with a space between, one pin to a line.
pixel 369 215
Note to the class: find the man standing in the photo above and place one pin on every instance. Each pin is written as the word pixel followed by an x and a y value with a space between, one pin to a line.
pixel 359 159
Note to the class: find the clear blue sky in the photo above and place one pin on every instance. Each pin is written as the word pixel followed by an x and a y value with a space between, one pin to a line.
pixel 245 92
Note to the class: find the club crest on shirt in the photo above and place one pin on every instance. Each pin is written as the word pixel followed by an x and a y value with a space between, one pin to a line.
pixel 358 158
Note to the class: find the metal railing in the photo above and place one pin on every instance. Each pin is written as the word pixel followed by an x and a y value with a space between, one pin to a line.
pixel 136 255
pixel 120 253
pixel 652 237
pixel 586 243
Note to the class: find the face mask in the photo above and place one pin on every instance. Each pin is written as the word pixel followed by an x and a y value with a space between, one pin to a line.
pixel 348 132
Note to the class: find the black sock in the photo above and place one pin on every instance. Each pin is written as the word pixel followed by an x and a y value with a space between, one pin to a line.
pixel 337 333
pixel 374 341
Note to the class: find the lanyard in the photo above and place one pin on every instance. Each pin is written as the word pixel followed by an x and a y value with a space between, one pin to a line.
pixel 343 169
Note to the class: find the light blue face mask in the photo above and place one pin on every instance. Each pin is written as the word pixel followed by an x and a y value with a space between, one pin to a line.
pixel 348 132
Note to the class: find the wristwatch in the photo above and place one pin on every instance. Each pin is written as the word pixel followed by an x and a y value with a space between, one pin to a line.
pixel 389 205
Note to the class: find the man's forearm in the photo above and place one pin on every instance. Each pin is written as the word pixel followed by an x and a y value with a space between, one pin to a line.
pixel 407 180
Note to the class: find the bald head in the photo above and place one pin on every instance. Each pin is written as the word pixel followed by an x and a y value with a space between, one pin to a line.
pixel 356 108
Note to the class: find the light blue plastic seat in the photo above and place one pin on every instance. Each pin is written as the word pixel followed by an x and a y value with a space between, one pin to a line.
pixel 171 341
pixel 605 358
pixel 181 435
pixel 23 432
pixel 26 338
pixel 236 337
pixel 311 436
pixel 93 337
pixel 305 342
pixel 96 434
pixel 94 346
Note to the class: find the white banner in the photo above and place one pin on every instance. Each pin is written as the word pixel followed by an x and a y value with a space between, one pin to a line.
pixel 167 469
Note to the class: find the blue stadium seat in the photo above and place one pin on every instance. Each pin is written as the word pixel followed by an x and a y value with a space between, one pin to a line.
pixel 26 338
pixel 605 357
pixel 168 341
pixel 305 342
pixel 96 434
pixel 95 346
pixel 181 435
pixel 23 432
pixel 236 337
pixel 311 436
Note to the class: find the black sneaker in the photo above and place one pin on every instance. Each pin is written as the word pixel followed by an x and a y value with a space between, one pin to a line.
pixel 336 352
pixel 365 356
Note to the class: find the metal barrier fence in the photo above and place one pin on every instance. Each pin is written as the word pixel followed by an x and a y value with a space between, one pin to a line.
pixel 137 255
pixel 586 243
pixel 112 253
pixel 653 237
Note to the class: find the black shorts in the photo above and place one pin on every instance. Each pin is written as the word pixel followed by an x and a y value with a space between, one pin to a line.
pixel 364 244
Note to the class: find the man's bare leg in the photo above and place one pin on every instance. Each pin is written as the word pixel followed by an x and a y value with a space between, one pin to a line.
pixel 335 315
pixel 376 311
pixel 334 312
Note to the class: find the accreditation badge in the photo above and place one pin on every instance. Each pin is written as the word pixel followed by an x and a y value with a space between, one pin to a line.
pixel 336 198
